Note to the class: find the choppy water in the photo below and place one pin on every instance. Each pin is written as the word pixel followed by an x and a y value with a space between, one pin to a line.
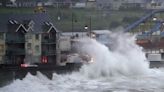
pixel 123 69
pixel 76 82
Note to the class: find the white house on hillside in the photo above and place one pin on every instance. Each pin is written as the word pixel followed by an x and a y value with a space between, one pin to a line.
pixel 155 4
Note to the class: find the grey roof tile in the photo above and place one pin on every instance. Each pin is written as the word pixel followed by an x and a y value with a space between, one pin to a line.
pixel 39 20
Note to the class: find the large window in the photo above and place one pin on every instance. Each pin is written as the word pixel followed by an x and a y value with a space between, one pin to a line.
pixel 1 36
pixel 37 36
pixel 28 45
pixel 37 48
pixel 1 48
pixel 46 37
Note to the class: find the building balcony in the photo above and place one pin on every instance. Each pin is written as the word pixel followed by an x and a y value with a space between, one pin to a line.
pixel 15 51
pixel 15 40
pixel 52 52
pixel 49 41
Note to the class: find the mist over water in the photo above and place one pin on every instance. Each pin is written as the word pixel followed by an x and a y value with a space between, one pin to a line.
pixel 120 68
pixel 125 58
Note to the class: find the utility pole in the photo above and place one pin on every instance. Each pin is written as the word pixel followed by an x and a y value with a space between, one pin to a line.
pixel 90 26
pixel 72 23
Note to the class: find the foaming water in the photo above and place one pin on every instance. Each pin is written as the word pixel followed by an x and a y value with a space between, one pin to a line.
pixel 76 82
pixel 121 69
pixel 125 58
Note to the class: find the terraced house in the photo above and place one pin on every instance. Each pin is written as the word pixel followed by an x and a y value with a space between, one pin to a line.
pixel 27 38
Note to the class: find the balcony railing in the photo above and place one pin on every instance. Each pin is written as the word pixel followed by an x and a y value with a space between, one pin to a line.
pixel 15 40
pixel 49 41
pixel 15 51
pixel 52 52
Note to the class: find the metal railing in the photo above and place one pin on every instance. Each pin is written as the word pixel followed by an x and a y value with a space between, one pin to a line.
pixel 15 51
pixel 49 41
pixel 15 40
pixel 52 52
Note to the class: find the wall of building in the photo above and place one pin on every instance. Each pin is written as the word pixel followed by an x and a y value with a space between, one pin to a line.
pixel 2 47
pixel 36 42
pixel 26 4
pixel 156 6
pixel 91 4
pixel 33 47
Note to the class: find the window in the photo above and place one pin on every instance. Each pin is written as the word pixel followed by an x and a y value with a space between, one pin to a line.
pixel 37 36
pixel 162 55
pixel 37 48
pixel 46 37
pixel 29 36
pixel 28 45
pixel 159 4
pixel 1 48
pixel 1 36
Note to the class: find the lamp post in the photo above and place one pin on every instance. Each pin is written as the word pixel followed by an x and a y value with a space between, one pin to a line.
pixel 58 11
pixel 86 28
pixel 90 28
pixel 74 20
pixel 72 24
pixel 162 27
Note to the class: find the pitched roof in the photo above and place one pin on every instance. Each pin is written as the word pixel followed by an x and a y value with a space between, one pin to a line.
pixel 66 1
pixel 123 1
pixel 39 20
pixel 159 1
pixel 34 1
